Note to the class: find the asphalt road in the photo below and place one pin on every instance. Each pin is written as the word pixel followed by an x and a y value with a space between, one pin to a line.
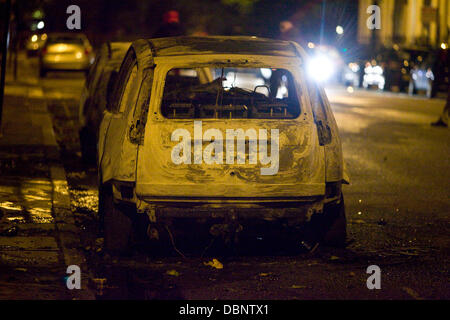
pixel 397 209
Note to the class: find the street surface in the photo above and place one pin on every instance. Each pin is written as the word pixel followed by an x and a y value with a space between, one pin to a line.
pixel 397 210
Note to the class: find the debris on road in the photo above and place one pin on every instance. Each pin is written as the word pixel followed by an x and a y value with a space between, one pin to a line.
pixel 100 285
pixel 412 293
pixel 295 286
pixel 172 273
pixel 214 263
pixel 10 232
pixel 99 242
pixel 333 258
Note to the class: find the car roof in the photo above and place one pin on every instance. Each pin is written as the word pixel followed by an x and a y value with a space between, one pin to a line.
pixel 190 45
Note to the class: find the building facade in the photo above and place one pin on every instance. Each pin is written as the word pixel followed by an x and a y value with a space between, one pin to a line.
pixel 408 23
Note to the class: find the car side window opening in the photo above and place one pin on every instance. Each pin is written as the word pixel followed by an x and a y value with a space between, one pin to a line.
pixel 137 128
pixel 230 92
pixel 122 80
pixel 130 89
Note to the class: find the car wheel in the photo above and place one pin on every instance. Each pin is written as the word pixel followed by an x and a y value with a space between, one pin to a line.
pixel 117 222
pixel 335 224
pixel 328 228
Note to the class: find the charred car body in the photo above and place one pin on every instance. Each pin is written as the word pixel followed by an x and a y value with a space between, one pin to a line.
pixel 188 133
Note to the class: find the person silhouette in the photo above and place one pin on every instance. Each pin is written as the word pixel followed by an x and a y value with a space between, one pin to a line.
pixel 171 26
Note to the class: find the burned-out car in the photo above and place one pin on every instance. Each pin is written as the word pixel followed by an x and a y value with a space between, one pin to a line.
pixel 218 131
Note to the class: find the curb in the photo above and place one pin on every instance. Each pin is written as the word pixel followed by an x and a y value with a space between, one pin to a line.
pixel 66 229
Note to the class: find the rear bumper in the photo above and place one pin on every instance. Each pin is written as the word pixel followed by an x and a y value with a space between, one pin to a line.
pixel 294 209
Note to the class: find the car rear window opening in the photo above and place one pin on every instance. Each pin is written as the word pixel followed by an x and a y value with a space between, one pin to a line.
pixel 230 93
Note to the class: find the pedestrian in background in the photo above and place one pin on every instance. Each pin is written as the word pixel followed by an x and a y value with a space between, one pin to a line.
pixel 171 26
pixel 443 119
pixel 289 32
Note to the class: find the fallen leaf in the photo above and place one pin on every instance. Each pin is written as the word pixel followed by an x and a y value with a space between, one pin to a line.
pixel 296 286
pixel 172 273
pixel 412 293
pixel 214 263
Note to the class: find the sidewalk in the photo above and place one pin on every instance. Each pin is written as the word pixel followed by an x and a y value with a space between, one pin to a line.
pixel 38 235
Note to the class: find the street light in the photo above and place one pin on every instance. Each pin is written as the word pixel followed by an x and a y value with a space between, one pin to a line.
pixel 339 30
pixel 40 25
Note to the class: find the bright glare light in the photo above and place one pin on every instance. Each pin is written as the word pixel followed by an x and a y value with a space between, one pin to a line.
pixel 320 68
pixel 34 38
pixel 78 55
pixel 339 30
pixel 444 45
pixel 350 89
pixel 40 25
pixel 311 45
pixel 44 36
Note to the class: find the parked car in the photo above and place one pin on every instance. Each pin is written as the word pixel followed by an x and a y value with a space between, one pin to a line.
pixel 430 72
pixel 373 76
pixel 396 65
pixel 65 52
pixel 388 70
pixel 159 165
pixel 351 74
pixel 94 94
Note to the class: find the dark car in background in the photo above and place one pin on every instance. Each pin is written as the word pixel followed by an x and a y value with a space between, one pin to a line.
pixel 395 65
pixel 94 95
